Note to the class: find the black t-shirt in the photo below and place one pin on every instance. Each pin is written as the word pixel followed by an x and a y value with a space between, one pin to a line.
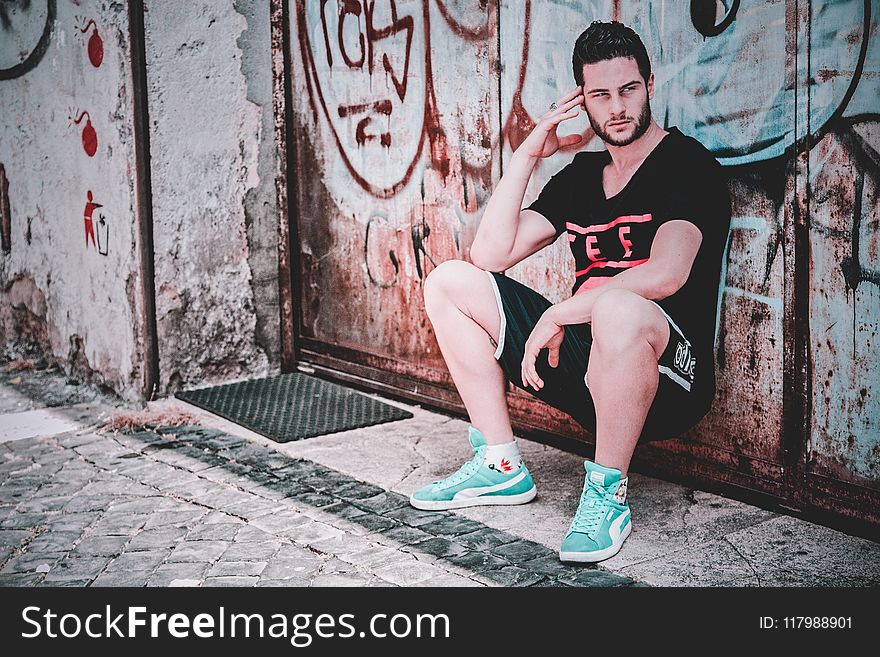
pixel 680 179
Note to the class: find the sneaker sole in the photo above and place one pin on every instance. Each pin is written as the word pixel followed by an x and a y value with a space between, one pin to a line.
pixel 598 555
pixel 486 500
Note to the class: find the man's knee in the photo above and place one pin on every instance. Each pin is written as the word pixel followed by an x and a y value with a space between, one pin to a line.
pixel 449 280
pixel 621 318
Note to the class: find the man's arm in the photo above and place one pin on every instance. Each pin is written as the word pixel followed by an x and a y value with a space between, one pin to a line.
pixel 506 233
pixel 672 255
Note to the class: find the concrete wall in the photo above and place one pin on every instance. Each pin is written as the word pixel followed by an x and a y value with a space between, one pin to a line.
pixel 209 77
pixel 68 267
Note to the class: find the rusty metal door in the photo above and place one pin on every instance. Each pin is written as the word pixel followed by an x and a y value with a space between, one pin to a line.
pixel 396 118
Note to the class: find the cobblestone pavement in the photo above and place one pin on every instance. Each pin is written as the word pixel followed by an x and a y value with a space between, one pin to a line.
pixel 212 504
pixel 189 506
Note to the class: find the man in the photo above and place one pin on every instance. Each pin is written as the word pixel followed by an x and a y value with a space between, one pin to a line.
pixel 630 354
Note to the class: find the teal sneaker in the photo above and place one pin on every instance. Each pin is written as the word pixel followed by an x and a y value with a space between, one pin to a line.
pixel 476 484
pixel 602 521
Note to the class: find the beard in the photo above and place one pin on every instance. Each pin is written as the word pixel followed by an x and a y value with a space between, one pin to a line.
pixel 641 125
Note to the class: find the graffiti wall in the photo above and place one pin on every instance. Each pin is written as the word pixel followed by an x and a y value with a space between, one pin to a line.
pixel 68 268
pixel 406 111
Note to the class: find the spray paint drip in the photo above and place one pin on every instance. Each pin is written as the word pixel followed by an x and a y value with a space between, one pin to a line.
pixel 89 136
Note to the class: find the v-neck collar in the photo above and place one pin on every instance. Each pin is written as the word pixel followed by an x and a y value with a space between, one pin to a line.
pixel 607 159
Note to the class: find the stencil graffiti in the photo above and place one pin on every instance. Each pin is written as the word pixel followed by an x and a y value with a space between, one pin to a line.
pixel 102 230
pixel 89 136
pixel 25 31
pixel 95 44
pixel 90 208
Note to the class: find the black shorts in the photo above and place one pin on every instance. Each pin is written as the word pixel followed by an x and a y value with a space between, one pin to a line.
pixel 684 392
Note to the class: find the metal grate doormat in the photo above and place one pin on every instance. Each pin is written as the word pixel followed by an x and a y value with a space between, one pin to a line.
pixel 293 406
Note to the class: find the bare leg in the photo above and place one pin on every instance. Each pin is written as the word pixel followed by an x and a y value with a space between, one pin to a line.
pixel 460 303
pixel 629 336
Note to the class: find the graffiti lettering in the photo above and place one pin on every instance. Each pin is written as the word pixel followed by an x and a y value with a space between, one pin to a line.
pixel 26 28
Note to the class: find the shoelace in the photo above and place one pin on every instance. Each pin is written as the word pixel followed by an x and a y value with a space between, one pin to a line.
pixel 465 471
pixel 590 509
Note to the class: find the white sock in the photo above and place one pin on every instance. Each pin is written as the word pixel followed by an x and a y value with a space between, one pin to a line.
pixel 503 458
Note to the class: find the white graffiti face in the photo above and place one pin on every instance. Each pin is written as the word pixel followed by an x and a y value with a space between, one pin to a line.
pixel 730 86
pixel 366 61
pixel 24 26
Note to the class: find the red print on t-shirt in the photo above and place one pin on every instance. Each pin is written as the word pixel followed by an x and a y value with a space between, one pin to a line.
pixel 621 225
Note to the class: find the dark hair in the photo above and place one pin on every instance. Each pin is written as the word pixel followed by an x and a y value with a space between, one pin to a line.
pixel 603 41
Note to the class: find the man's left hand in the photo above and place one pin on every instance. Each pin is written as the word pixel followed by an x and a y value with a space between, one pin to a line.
pixel 546 334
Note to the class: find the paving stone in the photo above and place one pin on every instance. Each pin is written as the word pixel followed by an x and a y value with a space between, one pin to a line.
pixel 168 573
pixel 175 518
pixel 415 517
pixel 291 582
pixel 250 534
pixel 376 556
pixel 382 503
pixel 54 542
pixel 251 508
pixel 485 539
pixel 441 547
pixel 280 522
pixel 452 525
pixel 374 522
pixel 449 580
pixel 198 551
pixel 134 561
pixel 43 504
pixel 237 568
pixel 137 578
pixel 74 583
pixel 513 576
pixel 520 551
pixel 478 561
pixel 340 580
pixel 152 539
pixel 218 532
pixel 356 490
pixel 73 521
pixel 406 535
pixel 29 562
pixel 119 524
pixel 222 518
pixel 20 579
pixel 289 487
pixel 594 577
pixel 230 581
pixel 342 544
pixel 550 565
pixel 282 569
pixel 101 545
pixel 78 568
pixel 140 506
pixel 311 532
pixel 408 573
pixel 14 537
pixel 316 499
pixel 251 551
pixel 24 521
pixel 342 509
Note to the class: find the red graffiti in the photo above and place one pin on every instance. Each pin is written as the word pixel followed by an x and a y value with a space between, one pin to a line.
pixel 89 136
pixel 352 33
pixel 96 45
pixel 87 216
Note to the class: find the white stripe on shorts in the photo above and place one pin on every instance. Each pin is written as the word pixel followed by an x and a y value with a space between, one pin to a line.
pixel 503 328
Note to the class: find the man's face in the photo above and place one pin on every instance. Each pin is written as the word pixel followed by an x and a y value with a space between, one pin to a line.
pixel 617 100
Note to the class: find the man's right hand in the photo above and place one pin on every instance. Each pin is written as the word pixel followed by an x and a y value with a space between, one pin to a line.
pixel 543 141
